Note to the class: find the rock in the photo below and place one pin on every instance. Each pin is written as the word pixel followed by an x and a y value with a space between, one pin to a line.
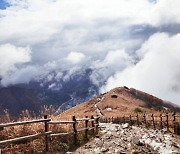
pixel 108 135
pixel 125 147
pixel 98 142
pixel 125 125
pixel 97 150
pixel 97 136
pixel 102 126
pixel 175 145
pixel 87 146
pixel 104 149
pixel 135 140
pixel 134 152
pixel 103 131
pixel 153 137
pixel 117 127
pixel 138 142
pixel 129 139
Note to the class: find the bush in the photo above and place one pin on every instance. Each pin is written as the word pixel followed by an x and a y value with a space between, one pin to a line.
pixel 137 110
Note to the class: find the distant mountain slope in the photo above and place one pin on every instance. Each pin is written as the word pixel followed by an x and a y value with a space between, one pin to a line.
pixel 62 92
pixel 119 101
pixel 16 99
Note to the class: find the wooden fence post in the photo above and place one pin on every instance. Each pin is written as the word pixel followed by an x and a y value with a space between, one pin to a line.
pixel 161 121
pixel 174 121
pixel 97 124
pixel 46 136
pixel 74 129
pixel 86 126
pixel 1 128
pixel 124 120
pixel 92 117
pixel 130 120
pixel 153 121
pixel 106 120
pixel 167 123
pixel 145 119
pixel 137 120
pixel 118 120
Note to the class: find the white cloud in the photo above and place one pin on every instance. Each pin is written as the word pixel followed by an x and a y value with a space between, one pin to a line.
pixel 23 75
pixel 11 56
pixel 157 72
pixel 75 57
pixel 165 12
pixel 114 61
pixel 107 36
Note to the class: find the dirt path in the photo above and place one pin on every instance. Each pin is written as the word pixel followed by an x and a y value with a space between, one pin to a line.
pixel 98 111
pixel 122 139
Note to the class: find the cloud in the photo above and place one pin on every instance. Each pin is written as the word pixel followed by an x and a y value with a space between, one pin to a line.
pixel 112 37
pixel 165 12
pixel 23 75
pixel 157 70
pixel 75 57
pixel 12 56
pixel 114 61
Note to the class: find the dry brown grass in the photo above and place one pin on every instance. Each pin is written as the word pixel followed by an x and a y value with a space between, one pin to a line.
pixel 57 144
pixel 80 111
pixel 22 130
pixel 124 105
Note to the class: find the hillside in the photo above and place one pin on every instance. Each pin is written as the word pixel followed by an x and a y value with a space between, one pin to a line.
pixel 117 102
pixel 17 99
pixel 51 89
pixel 121 100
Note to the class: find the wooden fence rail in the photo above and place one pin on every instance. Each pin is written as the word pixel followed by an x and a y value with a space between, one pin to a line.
pixel 47 134
pixel 23 123
pixel 169 121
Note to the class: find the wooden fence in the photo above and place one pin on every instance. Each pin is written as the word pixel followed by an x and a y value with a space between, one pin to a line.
pixel 169 121
pixel 94 122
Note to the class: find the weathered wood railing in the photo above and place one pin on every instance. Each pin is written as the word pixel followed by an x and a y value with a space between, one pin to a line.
pixel 47 122
pixel 169 121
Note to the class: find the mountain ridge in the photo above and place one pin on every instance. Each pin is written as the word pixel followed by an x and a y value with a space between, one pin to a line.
pixel 121 100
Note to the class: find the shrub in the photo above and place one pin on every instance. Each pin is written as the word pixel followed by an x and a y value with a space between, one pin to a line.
pixel 137 110
pixel 114 96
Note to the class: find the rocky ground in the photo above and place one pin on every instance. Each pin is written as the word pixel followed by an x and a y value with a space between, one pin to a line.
pixel 123 139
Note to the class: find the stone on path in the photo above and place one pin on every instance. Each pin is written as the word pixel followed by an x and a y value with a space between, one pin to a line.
pixel 122 139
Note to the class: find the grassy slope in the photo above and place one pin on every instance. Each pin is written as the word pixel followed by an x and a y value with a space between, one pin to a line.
pixel 127 101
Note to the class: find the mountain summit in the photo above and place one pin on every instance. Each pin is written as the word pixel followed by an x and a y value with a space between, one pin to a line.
pixel 121 100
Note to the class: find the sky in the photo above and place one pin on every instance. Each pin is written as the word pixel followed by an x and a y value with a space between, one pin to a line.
pixel 125 42
pixel 3 5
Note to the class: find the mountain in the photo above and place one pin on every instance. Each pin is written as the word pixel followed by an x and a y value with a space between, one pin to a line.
pixel 120 101
pixel 16 99
pixel 66 90
pixel 63 93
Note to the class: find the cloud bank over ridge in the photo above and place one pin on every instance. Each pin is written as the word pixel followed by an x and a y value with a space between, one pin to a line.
pixel 133 43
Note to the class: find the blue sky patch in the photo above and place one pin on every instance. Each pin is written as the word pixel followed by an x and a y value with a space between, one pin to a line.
pixel 3 4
